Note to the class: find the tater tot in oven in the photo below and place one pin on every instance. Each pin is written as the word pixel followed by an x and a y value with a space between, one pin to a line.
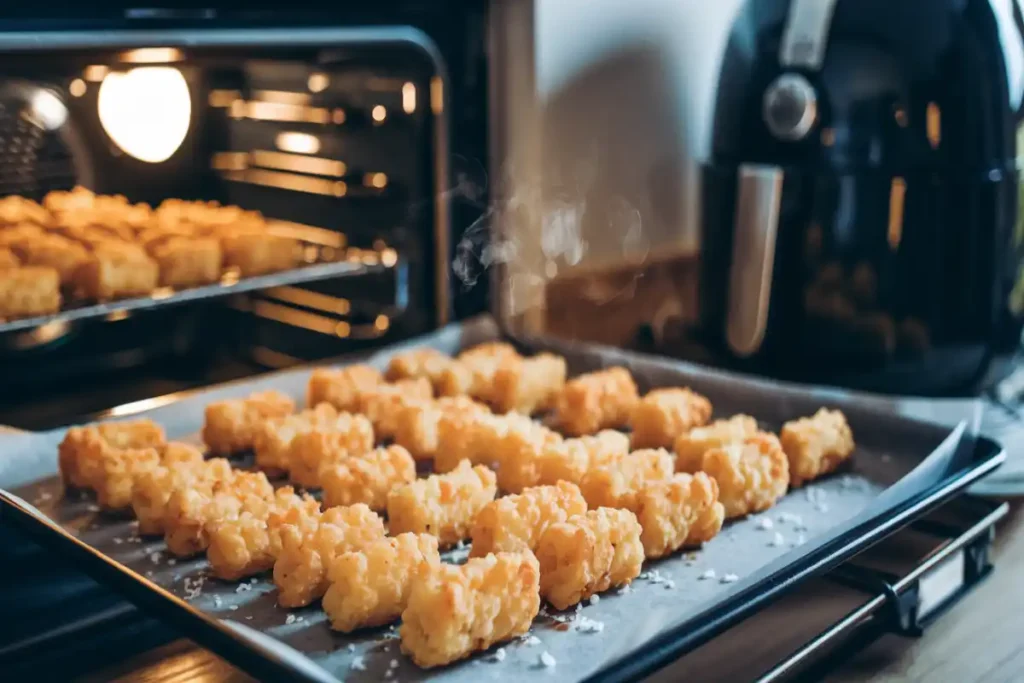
pixel 113 478
pixel 272 441
pixel 116 273
pixel 516 523
pixel 231 426
pixel 596 401
pixel 82 447
pixel 430 364
pixel 458 610
pixel 662 415
pixel 473 373
pixel 752 475
pixel 53 251
pixel 618 483
pixel 691 446
pixel 678 513
pixel 444 505
pixel 589 554
pixel 29 291
pixel 300 572
pixel 324 445
pixel 418 423
pixel 251 543
pixel 816 445
pixel 528 385
pixel 519 452
pixel 384 403
pixel 152 491
pixel 370 587
pixel 8 259
pixel 341 387
pixel 468 436
pixel 570 459
pixel 367 478
pixel 187 262
pixel 254 253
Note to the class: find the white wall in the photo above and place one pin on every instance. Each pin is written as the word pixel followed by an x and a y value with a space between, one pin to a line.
pixel 627 95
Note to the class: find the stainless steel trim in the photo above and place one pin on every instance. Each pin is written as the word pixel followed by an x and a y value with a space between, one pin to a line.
pixel 801 95
pixel 758 197
pixel 805 36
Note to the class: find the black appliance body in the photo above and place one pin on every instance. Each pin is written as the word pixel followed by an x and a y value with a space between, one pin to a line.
pixel 861 196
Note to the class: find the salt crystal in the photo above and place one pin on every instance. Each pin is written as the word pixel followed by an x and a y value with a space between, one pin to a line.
pixel 217 601
pixel 233 607
pixel 594 599
pixel 290 619
pixel 709 574
pixel 171 562
pixel 154 558
pixel 547 660
pixel 393 664
pixel 499 654
pixel 777 540
pixel 118 541
pixel 351 647
pixel 460 545
pixel 625 589
pixel 389 673
pixel 764 524
pixel 589 625
pixel 669 585
pixel 386 648
pixel 249 617
pixel 93 508
pixel 800 540
pixel 532 640
pixel 358 664
pixel 149 573
pixel 300 618
pixel 242 587
pixel 729 578
pixel 253 580
pixel 847 482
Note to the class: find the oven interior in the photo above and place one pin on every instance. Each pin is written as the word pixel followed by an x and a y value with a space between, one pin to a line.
pixel 342 134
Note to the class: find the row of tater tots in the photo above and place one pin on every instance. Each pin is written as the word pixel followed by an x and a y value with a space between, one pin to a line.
pixel 585 504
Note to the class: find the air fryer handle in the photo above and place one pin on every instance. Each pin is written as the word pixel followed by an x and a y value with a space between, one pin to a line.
pixel 756 225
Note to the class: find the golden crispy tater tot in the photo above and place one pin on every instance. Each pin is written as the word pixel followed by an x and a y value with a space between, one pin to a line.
pixel 458 610
pixel 570 459
pixel 116 272
pixel 231 426
pixel 662 415
pixel 618 483
pixel 418 423
pixel 528 385
pixel 519 451
pixel 470 436
pixel 53 251
pixel 370 587
pixel 816 445
pixel 191 510
pixel 678 513
pixel 273 438
pixel 260 253
pixel 589 554
pixel 691 446
pixel 752 475
pixel 444 505
pixel 367 478
pixel 341 387
pixel 473 371
pixel 516 523
pixel 596 401
pixel 322 446
pixel 300 572
pixel 188 262
pixel 153 489
pixel 82 446
pixel 430 364
pixel 114 478
pixel 384 403
pixel 29 291
pixel 8 260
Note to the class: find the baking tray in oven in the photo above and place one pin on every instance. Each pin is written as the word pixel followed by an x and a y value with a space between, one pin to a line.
pixel 902 469
pixel 324 257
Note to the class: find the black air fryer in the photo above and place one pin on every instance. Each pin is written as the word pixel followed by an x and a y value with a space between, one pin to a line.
pixel 861 194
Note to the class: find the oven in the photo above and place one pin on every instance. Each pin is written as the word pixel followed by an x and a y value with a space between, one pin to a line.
pixel 360 133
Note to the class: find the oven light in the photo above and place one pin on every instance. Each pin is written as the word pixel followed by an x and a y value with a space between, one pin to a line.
pixel 318 82
pixel 77 87
pixel 48 110
pixel 297 143
pixel 146 111
pixel 379 113
pixel 409 98
pixel 95 73
pixel 152 55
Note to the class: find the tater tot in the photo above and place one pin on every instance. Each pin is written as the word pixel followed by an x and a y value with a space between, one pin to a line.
pixel 751 475
pixel 231 426
pixel 251 543
pixel 191 510
pixel 371 587
pixel 516 523
pixel 53 251
pixel 691 446
pixel 188 262
pixel 418 423
pixel 429 364
pixel 528 385
pixel 457 610
pixel 29 291
pixel 256 253
pixel 113 479
pixel 7 259
pixel 153 489
pixel 618 483
pixel 384 403
pixel 367 478
pixel 82 446
pixel 444 505
pixel 473 371
pixel 596 401
pixel 589 554
pixel 300 572
pixel 662 415
pixel 325 445
pixel 115 272
pixel 679 512
pixel 468 436
pixel 272 439
pixel 341 387
pixel 570 459
pixel 519 452
pixel 816 445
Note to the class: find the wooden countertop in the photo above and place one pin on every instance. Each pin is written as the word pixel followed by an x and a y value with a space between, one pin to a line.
pixel 977 641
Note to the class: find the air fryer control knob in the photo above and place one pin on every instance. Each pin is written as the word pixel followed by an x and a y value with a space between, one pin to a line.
pixel 790 107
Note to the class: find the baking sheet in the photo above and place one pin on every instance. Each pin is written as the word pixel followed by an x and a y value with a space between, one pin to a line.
pixel 582 642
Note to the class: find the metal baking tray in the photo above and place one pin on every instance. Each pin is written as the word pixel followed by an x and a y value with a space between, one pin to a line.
pixel 902 469
pixel 325 257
